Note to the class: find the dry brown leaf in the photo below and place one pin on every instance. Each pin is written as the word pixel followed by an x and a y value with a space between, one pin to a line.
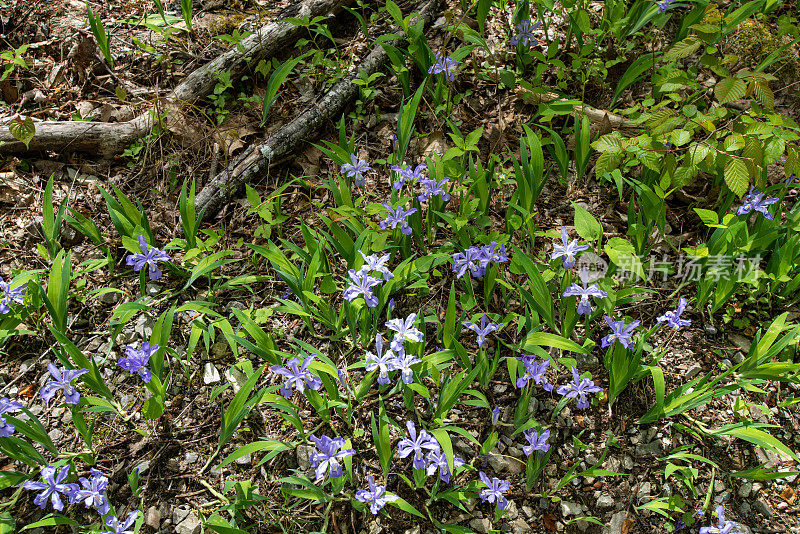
pixel 28 391
pixel 550 522
pixel 789 495
pixel 626 525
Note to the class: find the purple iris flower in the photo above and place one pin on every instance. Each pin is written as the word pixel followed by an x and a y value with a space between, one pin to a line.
pixel 493 254
pixel 584 304
pixel 136 360
pixel 663 5
pixel 125 527
pixel 484 329
pixel 536 441
pixel 61 382
pixel 6 428
pixel 567 249
pixel 397 216
pixel 17 294
pixel 403 362
pixel 469 260
pixel 93 494
pixel 147 257
pixel 52 487
pixel 494 491
pixel 534 371
pixel 789 180
pixel 384 362
pixel 445 64
pixel 409 173
pixel 433 188
pixel 327 459
pixel 404 330
pixel 578 389
pixel 723 526
pixel 525 34
pixel 754 200
pixel 376 496
pixel 438 461
pixel 420 444
pixel 355 170
pixel 620 332
pixel 495 415
pixel 298 378
pixel 362 284
pixel 673 318
pixel 375 263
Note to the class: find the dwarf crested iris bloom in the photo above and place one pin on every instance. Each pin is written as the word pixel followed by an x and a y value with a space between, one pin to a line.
pixel 445 64
pixel 298 378
pixel 567 249
pixel 148 256
pixel 61 382
pixel 376 496
pixel 469 260
pixel 52 487
pixel 17 294
pixel 136 360
pixel 438 461
pixel 420 444
pixel 93 494
pixel 355 170
pixel 484 329
pixel 495 415
pixel 404 330
pixel 754 200
pixel 525 34
pixel 327 459
pixel 494 491
pixel 361 284
pixel 384 362
pixel 673 317
pixel 375 263
pixel 663 5
pixel 620 332
pixel 433 188
pixel 403 362
pixel 723 526
pixel 126 527
pixel 409 173
pixel 6 428
pixel 395 217
pixel 534 371
pixel 491 253
pixel 584 304
pixel 578 389
pixel 536 441
pixel 789 180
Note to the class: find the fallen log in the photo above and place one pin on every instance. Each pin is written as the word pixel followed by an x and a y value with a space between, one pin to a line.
pixel 258 158
pixel 111 138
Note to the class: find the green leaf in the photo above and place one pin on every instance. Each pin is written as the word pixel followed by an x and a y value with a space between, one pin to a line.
pixel 22 129
pixel 7 524
pixel 760 438
pixel 684 48
pixel 730 89
pixel 256 446
pixel 51 521
pixel 403 505
pixel 623 255
pixel 736 176
pixel 546 339
pixel 586 225
pixel 708 217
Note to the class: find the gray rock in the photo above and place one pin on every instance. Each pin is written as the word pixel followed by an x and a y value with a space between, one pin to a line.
pixel 511 511
pixel 710 330
pixel 763 508
pixel 650 449
pixel 110 298
pixel 210 374
pixel 627 462
pixel 693 371
pixel 615 527
pixel 190 457
pixel 643 492
pixel 588 362
pixel 153 518
pixel 190 525
pixel 505 464
pixel 27 365
pixel 570 508
pixel 247 459
pixel 152 289
pixel 144 326
pixel 179 513
pixel 415 530
pixel 745 489
pixel 481 525
pixel 719 486
pixel 738 357
pixel 741 342
pixel 605 501
pixel 55 434
pixel 142 467
pixel 304 453
pixel 519 526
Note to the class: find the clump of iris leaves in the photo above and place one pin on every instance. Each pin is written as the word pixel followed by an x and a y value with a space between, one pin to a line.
pixel 516 308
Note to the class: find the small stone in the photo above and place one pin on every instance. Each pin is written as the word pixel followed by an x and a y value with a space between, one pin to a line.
pixel 304 453
pixel 504 464
pixel 627 462
pixel 719 486
pixel 190 525
pixel 210 374
pixel 190 457
pixel 605 501
pixel 738 357
pixel 219 349
pixel 247 459
pixel 615 527
pixel 569 508
pixel 710 330
pixel 693 371
pixel 481 525
pixel 741 342
pixel 27 365
pixel 763 508
pixel 110 298
pixel 55 434
pixel 152 289
pixel 782 506
pixel 651 449
pixel 588 362
pixel 519 526
pixel 745 489
pixel 144 326
pixel 179 514
pixel 142 467
pixel 511 511
pixel 644 491
pixel 727 363
pixel 153 518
